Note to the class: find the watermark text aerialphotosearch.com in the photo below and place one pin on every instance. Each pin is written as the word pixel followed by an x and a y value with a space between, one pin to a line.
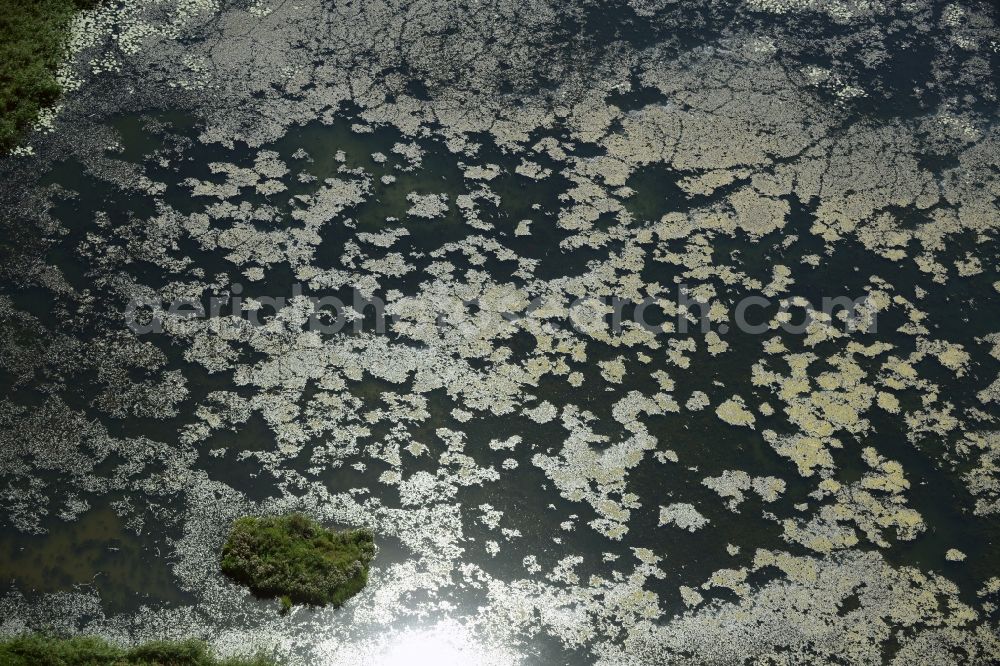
pixel 684 314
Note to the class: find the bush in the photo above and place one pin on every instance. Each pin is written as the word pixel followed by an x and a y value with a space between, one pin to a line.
pixel 40 650
pixel 33 36
pixel 296 557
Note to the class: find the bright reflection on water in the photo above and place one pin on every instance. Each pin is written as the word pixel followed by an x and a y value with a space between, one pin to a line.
pixel 444 644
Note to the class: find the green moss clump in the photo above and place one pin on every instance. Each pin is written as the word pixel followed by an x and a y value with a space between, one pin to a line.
pixel 33 36
pixel 296 557
pixel 40 650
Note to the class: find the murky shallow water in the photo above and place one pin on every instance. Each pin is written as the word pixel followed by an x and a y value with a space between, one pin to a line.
pixel 544 490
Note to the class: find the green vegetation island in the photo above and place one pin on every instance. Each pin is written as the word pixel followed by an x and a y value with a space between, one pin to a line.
pixel 40 650
pixel 298 560
pixel 33 39
pixel 291 557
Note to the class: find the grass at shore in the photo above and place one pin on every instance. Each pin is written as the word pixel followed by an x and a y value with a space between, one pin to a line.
pixel 297 559
pixel 40 650
pixel 33 35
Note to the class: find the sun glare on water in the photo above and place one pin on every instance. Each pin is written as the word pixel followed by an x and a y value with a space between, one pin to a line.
pixel 443 644
pixel 435 647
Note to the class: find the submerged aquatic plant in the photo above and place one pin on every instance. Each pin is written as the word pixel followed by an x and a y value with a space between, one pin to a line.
pixel 297 559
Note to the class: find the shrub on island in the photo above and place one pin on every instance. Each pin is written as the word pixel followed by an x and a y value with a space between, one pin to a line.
pixel 297 559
